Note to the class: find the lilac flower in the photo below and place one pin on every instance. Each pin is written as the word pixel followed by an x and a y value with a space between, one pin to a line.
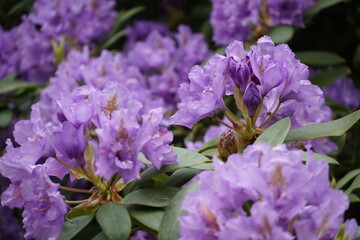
pixel 141 29
pixel 283 12
pixel 45 208
pixel 85 21
pixel 25 51
pixel 242 20
pixel 166 60
pixel 266 193
pixel 268 75
pixel 204 94
pixel 343 91
pixel 231 19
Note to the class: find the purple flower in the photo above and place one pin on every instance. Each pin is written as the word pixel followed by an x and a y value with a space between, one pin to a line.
pixel 230 19
pixel 165 60
pixel 141 29
pixel 85 21
pixel 252 99
pixel 266 193
pixel 244 19
pixel 284 12
pixel 343 91
pixel 25 51
pixel 204 94
pixel 45 208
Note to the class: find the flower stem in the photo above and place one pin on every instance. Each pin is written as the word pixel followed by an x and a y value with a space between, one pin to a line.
pixel 223 123
pixel 77 190
pixel 272 114
pixel 76 201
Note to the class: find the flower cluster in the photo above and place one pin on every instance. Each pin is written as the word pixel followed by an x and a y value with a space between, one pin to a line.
pixel 83 21
pixel 94 132
pixel 343 91
pixel 242 20
pixel 27 51
pixel 267 193
pixel 165 59
pixel 267 83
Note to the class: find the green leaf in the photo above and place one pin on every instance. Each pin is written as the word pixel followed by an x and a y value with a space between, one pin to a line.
pixel 149 217
pixel 276 133
pixel 5 118
pixel 114 38
pixel 353 198
pixel 100 236
pixel 203 166
pixel 329 76
pixel 161 177
pixel 125 15
pixel 73 227
pixel 212 143
pixel 333 128
pixel 211 152
pixel 9 78
pixel 319 58
pixel 169 227
pixel 180 177
pixel 281 34
pixel 354 185
pixel 322 157
pixel 153 197
pixel 186 158
pixel 114 220
pixel 10 86
pixel 321 5
pixel 348 177
pixel 81 212
pixel 20 7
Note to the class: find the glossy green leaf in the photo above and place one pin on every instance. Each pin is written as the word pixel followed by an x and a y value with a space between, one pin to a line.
pixel 203 166
pixel 322 157
pixel 100 236
pixel 186 158
pixel 81 212
pixel 114 220
pixel 169 227
pixel 126 15
pixel 333 128
pixel 276 133
pixel 10 86
pixel 212 143
pixel 281 34
pixel 319 58
pixel 114 38
pixel 153 197
pixel 321 5
pixel 347 178
pixel 211 152
pixel 353 198
pixel 73 227
pixel 21 7
pixel 5 117
pixel 354 185
pixel 149 217
pixel 329 76
pixel 180 177
pixel 161 177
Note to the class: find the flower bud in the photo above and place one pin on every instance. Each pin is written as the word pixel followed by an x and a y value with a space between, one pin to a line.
pixel 240 72
pixel 252 99
pixel 227 144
